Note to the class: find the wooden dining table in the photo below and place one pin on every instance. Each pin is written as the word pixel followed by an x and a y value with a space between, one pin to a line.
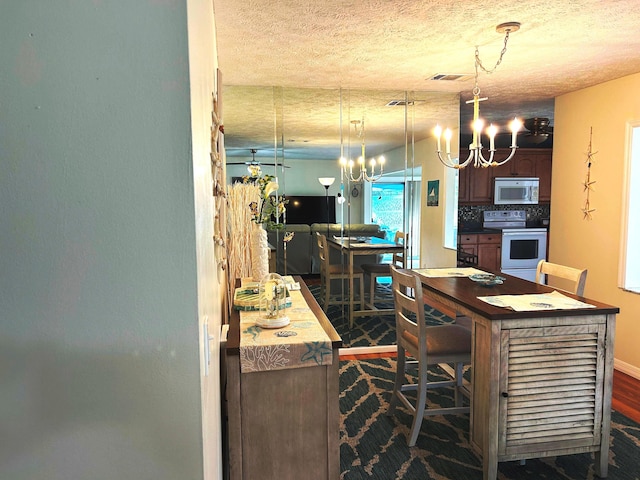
pixel 351 247
pixel 540 380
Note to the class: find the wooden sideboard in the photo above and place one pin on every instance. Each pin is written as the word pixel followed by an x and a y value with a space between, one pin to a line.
pixel 283 424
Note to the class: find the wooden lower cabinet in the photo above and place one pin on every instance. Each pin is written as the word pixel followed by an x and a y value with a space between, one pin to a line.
pixel 487 246
pixel 550 392
pixel 489 251
pixel 468 243
pixel 552 389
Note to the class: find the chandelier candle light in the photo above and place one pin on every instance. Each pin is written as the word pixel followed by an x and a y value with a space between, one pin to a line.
pixel 358 126
pixel 475 148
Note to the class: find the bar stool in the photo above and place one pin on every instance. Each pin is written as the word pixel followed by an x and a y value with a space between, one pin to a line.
pixel 375 270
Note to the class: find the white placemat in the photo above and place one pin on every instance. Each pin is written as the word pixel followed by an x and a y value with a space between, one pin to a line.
pixel 535 302
pixel 448 272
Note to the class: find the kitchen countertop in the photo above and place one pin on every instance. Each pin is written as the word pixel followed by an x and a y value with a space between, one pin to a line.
pixel 475 231
pixel 480 230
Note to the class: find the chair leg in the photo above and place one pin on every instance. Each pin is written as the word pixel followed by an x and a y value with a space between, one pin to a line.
pixel 361 282
pixel 327 293
pixel 421 402
pixel 459 379
pixel 322 289
pixel 400 377
pixel 372 289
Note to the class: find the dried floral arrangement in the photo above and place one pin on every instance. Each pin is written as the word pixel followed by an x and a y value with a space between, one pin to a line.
pixel 270 209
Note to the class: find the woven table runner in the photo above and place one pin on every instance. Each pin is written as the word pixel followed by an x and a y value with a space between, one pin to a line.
pixel 302 343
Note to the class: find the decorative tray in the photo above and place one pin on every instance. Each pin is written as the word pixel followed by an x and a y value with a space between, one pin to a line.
pixel 487 279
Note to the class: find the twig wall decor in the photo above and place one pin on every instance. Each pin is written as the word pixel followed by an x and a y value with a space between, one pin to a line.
pixel 219 193
pixel 588 182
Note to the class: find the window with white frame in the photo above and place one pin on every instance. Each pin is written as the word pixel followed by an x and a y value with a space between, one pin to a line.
pixel 451 208
pixel 629 277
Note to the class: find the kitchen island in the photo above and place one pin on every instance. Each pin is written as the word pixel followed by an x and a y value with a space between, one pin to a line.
pixel 540 380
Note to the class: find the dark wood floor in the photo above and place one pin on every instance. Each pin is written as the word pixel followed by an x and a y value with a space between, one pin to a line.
pixel 626 395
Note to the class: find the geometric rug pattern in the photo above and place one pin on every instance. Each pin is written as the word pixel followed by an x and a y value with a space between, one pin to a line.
pixel 373 445
pixel 374 330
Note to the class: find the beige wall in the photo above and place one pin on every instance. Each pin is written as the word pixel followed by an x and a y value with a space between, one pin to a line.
pixel 432 220
pixel 595 243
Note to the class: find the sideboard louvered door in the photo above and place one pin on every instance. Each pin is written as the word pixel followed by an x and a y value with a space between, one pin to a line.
pixel 551 389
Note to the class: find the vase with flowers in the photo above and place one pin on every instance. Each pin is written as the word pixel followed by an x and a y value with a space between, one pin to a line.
pixel 267 210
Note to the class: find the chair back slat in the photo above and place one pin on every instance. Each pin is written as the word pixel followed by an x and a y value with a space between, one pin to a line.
pixel 399 259
pixel 322 252
pixel 409 307
pixel 575 276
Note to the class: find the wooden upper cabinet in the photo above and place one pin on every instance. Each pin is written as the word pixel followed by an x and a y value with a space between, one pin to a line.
pixel 543 172
pixel 523 164
pixel 463 185
pixel 480 185
pixel 475 185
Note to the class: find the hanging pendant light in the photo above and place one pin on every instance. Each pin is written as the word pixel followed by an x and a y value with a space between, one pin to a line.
pixel 363 175
pixel 476 156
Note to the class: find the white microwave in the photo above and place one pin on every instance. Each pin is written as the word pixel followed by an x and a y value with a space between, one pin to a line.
pixel 516 191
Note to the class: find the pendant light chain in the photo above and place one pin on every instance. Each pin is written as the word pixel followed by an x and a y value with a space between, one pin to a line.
pixel 476 157
pixel 504 50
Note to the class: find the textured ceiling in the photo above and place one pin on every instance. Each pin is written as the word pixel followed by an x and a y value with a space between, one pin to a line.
pixel 392 46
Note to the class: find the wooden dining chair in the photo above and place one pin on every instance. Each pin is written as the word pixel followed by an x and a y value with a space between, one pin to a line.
pixel 330 271
pixel 375 270
pixel 429 345
pixel 576 278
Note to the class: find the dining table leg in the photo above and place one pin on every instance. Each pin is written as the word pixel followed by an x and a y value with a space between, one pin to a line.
pixel 489 467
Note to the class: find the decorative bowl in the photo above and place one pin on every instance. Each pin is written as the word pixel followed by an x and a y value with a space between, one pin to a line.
pixel 487 279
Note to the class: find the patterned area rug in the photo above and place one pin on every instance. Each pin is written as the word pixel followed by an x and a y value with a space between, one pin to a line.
pixel 375 330
pixel 373 445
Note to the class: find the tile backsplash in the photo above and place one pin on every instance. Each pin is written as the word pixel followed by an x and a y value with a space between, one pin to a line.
pixel 470 216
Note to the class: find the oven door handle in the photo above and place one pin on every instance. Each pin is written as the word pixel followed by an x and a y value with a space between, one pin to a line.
pixel 507 234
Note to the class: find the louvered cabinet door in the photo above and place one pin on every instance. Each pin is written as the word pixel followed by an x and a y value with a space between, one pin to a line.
pixel 551 390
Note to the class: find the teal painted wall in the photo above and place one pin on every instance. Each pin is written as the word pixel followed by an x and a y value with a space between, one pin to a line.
pixel 99 358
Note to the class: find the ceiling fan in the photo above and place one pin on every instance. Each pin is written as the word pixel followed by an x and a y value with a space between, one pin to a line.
pixel 538 128
pixel 256 163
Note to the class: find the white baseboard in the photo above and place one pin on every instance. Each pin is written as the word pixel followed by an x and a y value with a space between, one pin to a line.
pixel 626 368
pixel 370 349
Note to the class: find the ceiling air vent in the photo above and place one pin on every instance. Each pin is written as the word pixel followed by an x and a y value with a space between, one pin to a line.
pixel 450 77
pixel 402 103
pixel 398 103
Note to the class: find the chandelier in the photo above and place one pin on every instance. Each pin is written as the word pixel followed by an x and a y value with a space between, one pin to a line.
pixel 363 175
pixel 475 148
